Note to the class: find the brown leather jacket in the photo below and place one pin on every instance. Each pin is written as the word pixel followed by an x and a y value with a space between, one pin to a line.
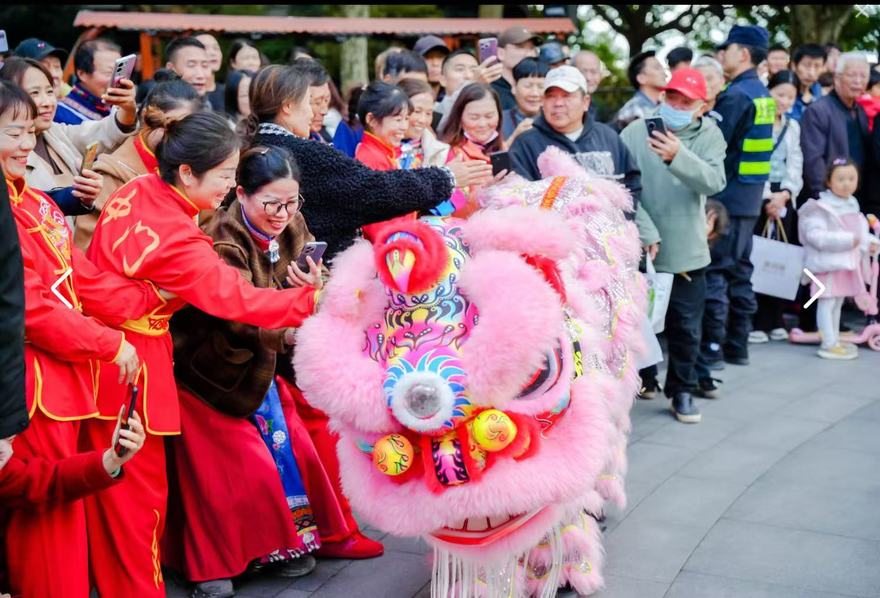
pixel 227 364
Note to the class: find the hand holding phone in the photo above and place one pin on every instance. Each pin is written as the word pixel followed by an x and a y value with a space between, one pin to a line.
pixel 312 249
pixel 487 47
pixel 123 69
pixel 500 162
pixel 120 450
pixel 89 157
pixel 655 124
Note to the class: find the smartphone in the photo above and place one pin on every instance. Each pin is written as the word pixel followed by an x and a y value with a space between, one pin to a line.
pixel 488 47
pixel 123 69
pixel 655 124
pixel 312 249
pixel 4 43
pixel 89 157
pixel 500 161
pixel 121 450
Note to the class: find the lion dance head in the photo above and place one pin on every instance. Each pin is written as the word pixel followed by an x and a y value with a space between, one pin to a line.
pixel 478 374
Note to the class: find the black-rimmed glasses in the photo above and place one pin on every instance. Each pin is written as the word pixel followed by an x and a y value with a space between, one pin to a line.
pixel 273 208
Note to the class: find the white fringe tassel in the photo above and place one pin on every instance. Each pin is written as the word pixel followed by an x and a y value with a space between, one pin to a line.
pixel 455 577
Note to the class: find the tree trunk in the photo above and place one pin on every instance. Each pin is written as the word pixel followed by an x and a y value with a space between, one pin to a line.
pixel 817 23
pixel 491 11
pixel 353 53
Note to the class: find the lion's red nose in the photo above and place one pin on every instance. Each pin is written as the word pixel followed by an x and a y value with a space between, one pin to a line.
pixel 410 256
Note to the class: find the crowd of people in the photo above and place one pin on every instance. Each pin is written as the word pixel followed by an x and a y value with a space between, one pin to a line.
pixel 167 269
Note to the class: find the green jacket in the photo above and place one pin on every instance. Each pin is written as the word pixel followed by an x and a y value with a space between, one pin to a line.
pixel 673 202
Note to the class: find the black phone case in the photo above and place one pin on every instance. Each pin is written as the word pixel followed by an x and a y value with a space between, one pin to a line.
pixel 651 125
pixel 500 161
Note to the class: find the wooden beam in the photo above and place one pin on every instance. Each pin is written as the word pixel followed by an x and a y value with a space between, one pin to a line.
pixel 148 61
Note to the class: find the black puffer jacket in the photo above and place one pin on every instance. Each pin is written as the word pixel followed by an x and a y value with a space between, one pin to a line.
pixel 341 194
pixel 598 149
pixel 13 411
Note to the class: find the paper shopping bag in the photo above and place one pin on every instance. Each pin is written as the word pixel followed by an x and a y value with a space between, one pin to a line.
pixel 653 353
pixel 659 290
pixel 778 267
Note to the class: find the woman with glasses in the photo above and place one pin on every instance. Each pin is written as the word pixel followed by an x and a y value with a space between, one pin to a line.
pixel 148 231
pixel 232 380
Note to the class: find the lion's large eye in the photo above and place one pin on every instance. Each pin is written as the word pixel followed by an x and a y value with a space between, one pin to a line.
pixel 545 378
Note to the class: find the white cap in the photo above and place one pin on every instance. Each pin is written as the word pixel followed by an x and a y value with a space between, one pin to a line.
pixel 565 77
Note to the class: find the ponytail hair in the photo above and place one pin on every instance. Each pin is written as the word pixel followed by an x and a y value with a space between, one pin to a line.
pixel 202 140
pixel 170 93
pixel 271 88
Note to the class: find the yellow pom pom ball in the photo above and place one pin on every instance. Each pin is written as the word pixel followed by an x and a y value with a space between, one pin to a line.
pixel 393 454
pixel 493 430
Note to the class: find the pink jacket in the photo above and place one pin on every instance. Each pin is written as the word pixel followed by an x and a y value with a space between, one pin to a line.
pixel 828 244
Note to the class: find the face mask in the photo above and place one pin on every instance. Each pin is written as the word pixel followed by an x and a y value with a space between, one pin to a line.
pixel 491 138
pixel 676 119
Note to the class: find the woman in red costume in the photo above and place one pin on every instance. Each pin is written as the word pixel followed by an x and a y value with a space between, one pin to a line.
pixel 148 231
pixel 271 493
pixel 67 303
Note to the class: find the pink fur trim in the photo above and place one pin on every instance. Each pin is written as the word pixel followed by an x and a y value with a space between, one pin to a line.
pixel 354 292
pixel 518 312
pixel 353 393
pixel 522 230
pixel 578 439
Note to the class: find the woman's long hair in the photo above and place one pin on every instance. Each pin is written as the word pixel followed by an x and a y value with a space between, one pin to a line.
pixel 452 131
pixel 271 88
pixel 233 82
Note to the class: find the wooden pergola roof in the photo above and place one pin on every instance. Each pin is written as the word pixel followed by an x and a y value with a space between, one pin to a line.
pixel 244 24
pixel 153 24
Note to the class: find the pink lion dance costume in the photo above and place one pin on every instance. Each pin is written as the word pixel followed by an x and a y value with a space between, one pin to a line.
pixel 478 373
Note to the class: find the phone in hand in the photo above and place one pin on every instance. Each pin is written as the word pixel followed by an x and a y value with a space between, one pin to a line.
pixel 488 47
pixel 123 69
pixel 4 43
pixel 655 124
pixel 118 448
pixel 500 161
pixel 90 156
pixel 312 249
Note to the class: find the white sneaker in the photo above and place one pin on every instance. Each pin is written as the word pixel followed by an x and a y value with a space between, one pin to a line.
pixel 779 334
pixel 757 337
pixel 839 352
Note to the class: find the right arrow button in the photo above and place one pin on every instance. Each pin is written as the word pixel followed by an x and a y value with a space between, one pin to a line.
pixel 818 284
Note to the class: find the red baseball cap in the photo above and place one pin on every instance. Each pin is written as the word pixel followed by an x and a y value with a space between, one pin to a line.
pixel 688 82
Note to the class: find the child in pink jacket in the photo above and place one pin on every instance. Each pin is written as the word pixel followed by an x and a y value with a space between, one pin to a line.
pixel 836 238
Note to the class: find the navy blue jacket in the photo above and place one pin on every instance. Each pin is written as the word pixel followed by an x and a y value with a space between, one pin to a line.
pixel 599 149
pixel 824 137
pixel 735 114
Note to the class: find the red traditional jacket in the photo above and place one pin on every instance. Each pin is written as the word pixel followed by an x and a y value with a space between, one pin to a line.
pixel 33 481
pixel 378 155
pixel 148 232
pixel 67 303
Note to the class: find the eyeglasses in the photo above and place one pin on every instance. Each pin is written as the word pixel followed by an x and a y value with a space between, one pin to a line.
pixel 273 208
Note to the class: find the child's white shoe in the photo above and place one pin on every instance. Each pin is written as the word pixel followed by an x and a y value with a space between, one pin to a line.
pixel 779 334
pixel 839 352
pixel 757 337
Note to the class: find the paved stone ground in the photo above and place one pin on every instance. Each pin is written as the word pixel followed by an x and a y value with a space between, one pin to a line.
pixel 774 495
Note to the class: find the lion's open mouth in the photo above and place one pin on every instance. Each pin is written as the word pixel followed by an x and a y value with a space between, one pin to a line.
pixel 484 530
